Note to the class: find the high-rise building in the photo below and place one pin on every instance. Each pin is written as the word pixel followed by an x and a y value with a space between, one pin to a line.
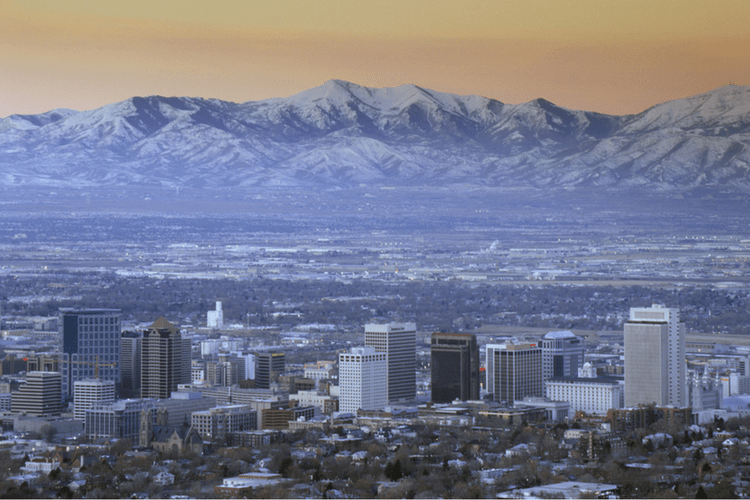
pixel 514 371
pixel 215 319
pixel 89 346
pixel 655 357
pixel 267 366
pixel 165 360
pixel 40 396
pixel 130 364
pixel 562 355
pixel 399 343
pixel 362 373
pixel 87 393
pixel 454 367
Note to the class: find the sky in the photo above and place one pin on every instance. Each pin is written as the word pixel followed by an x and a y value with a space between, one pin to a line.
pixel 615 57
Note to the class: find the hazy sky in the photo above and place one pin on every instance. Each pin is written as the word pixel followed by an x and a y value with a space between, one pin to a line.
pixel 609 56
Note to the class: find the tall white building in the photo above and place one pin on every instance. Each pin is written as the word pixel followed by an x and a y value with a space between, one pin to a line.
pixel 215 319
pixel 398 341
pixel 655 357
pixel 514 371
pixel 362 380
pixel 87 393
pixel 562 355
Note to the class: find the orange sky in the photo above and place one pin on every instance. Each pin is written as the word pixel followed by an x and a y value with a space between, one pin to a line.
pixel 613 57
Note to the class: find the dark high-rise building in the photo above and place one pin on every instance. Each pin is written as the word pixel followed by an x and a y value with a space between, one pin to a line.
pixel 89 346
pixel 130 364
pixel 165 360
pixel 268 364
pixel 455 367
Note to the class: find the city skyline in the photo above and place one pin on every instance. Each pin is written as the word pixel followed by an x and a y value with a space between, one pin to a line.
pixel 616 58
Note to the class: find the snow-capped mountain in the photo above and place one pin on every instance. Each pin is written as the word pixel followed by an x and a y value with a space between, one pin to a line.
pixel 341 134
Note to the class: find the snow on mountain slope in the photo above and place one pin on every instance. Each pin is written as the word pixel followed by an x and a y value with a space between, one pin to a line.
pixel 342 134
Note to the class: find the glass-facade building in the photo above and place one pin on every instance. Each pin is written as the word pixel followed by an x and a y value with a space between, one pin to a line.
pixel 454 363
pixel 89 346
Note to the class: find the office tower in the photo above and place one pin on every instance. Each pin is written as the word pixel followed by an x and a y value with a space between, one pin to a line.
pixel 130 364
pixel 399 343
pixel 215 319
pixel 362 372
pixel 268 365
pixel 40 396
pixel 655 357
pixel 165 360
pixel 514 371
pixel 455 367
pixel 87 393
pixel 89 346
pixel 562 355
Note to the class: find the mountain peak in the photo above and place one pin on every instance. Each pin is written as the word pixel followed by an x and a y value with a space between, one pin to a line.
pixel 342 134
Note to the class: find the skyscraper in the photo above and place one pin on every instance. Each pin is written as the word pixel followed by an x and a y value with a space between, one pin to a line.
pixel 399 343
pixel 514 371
pixel 267 366
pixel 89 346
pixel 562 355
pixel 454 366
pixel 165 360
pixel 655 357
pixel 130 364
pixel 361 375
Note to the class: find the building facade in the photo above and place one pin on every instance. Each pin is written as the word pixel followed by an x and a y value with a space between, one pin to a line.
pixel 398 341
pixel 40 396
pixel 89 346
pixel 215 318
pixel 87 393
pixel 268 365
pixel 362 380
pixel 130 364
pixel 217 423
pixel 562 354
pixel 454 365
pixel 655 357
pixel 165 360
pixel 514 371
pixel 121 419
pixel 594 395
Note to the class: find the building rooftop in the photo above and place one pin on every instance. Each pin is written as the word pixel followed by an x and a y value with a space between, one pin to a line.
pixel 562 334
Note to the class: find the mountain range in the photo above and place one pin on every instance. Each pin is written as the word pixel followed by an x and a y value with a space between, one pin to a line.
pixel 343 135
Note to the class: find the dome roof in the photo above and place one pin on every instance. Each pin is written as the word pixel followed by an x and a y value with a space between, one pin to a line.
pixel 560 335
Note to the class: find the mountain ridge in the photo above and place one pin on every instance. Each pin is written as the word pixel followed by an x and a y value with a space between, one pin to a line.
pixel 341 135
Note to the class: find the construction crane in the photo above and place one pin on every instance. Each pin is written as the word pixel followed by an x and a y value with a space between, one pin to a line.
pixel 96 365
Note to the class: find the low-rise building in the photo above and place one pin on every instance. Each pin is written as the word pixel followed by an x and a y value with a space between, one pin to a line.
pixel 218 423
